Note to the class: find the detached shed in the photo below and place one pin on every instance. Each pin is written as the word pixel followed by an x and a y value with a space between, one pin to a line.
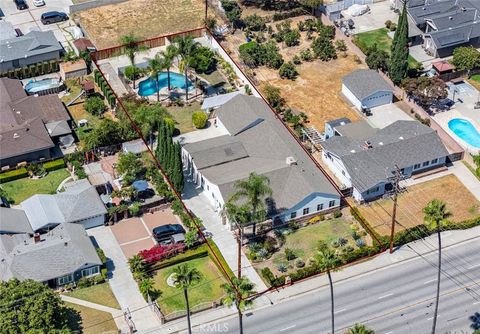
pixel 73 69
pixel 366 89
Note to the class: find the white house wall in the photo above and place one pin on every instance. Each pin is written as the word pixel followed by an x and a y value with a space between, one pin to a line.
pixel 336 166
pixel 351 97
pixel 311 202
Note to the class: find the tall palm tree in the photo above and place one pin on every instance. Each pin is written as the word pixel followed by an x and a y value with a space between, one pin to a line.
pixel 147 288
pixel 185 278
pixel 131 47
pixel 328 261
pixel 436 213
pixel 185 47
pixel 360 329
pixel 155 67
pixel 237 293
pixel 254 190
pixel 168 56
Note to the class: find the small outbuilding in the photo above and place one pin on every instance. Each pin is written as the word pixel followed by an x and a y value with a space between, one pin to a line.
pixel 73 69
pixel 366 89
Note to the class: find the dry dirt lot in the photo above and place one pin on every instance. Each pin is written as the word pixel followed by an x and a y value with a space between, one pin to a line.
pixel 317 89
pixel 460 202
pixel 144 18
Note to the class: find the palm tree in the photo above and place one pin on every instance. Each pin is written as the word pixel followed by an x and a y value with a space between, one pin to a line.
pixel 131 47
pixel 436 213
pixel 185 278
pixel 328 261
pixel 185 47
pixel 237 293
pixel 155 67
pixel 360 329
pixel 147 288
pixel 254 190
pixel 168 55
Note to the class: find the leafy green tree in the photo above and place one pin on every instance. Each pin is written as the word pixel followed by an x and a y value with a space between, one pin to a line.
pixel 199 119
pixel 274 97
pixel 466 58
pixel 340 45
pixel 254 22
pixel 185 48
pixel 191 238
pixel 203 60
pixel 312 4
pixel 32 307
pixel 106 133
pixel 232 11
pixel 426 90
pixel 147 289
pixel 155 67
pixel 377 59
pixel 238 294
pixel 273 58
pixel 360 329
pixel 130 166
pixel 288 71
pixel 94 106
pixel 328 261
pixel 168 56
pixel 436 214
pixel 291 38
pixel 210 22
pixel 185 278
pixel 131 47
pixel 132 72
pixel 323 48
pixel 398 67
pixel 254 191
pixel 148 116
pixel 252 54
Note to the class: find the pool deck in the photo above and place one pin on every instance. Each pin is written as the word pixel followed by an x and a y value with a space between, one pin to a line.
pixel 464 110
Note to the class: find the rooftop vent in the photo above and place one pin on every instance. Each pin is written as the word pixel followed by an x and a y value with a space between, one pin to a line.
pixel 380 143
pixel 36 237
pixel 291 161
pixel 401 138
pixel 65 243
pixel 16 135
pixel 367 145
pixel 352 151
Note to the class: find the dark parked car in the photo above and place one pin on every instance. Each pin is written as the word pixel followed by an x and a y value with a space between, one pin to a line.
pixel 53 17
pixel 21 4
pixel 166 231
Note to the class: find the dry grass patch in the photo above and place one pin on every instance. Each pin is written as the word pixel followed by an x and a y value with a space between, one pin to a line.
pixel 460 202
pixel 144 18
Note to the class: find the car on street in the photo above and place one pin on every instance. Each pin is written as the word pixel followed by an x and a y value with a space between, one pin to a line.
pixel 164 232
pixel 38 3
pixel 53 17
pixel 21 4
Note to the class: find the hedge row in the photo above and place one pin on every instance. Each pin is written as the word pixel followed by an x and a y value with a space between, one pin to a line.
pixel 223 264
pixel 365 224
pixel 105 88
pixel 33 70
pixel 13 175
pixel 54 165
pixel 199 252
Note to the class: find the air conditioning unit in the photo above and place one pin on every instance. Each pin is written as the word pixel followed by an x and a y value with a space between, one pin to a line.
pixel 291 161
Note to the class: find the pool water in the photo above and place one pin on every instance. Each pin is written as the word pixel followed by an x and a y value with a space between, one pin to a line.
pixel 149 86
pixel 41 85
pixel 466 131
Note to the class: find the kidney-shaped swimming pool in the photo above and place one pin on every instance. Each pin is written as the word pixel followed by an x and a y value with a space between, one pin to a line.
pixel 466 131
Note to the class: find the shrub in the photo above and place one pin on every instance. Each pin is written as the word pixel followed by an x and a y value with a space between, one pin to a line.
pixel 296 60
pixel 314 220
pixel 282 267
pixel 289 254
pixel 335 244
pixel 84 282
pixel 348 248
pixel 291 38
pixel 13 175
pixel 54 165
pixel 161 252
pixel 360 242
pixel 306 55
pixel 199 119
pixel 337 214
pixel 252 256
pixel 98 279
pixel 263 253
pixel 323 48
pixel 94 106
pixel 134 208
pixel 288 71
pixel 131 72
pixel 388 23
pixel 203 60
pixel 104 272
pixel 267 275
pixel 254 22
pixel 270 244
pixel 101 255
pixel 299 263
pixel 342 241
pixel 355 235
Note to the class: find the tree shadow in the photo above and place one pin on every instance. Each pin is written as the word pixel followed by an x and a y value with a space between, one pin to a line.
pixel 74 320
pixel 475 319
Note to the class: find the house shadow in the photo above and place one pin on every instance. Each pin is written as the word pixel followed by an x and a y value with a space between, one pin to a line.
pixel 109 263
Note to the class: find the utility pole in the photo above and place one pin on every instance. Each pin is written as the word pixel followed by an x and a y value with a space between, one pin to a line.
pixel 239 258
pixel 396 180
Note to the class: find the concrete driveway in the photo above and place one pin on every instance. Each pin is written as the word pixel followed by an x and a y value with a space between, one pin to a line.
pixel 387 114
pixel 29 19
pixel 375 19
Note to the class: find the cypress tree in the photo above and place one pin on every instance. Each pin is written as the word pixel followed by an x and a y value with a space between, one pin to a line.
pixel 399 60
pixel 179 168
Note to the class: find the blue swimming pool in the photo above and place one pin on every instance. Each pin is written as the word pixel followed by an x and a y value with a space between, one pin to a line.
pixel 466 131
pixel 149 86
pixel 33 87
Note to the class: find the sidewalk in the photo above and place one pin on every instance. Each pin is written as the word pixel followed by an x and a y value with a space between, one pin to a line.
pixel 122 283
pixel 381 262
pixel 116 314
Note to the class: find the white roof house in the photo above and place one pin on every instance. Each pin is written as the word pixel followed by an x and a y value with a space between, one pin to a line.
pixel 218 100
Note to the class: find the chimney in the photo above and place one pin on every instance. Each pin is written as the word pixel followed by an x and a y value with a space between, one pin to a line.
pixel 36 237
pixel 367 145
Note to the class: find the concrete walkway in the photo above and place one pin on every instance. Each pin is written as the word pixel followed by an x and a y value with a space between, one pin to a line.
pixel 122 283
pixel 116 313
pixel 197 201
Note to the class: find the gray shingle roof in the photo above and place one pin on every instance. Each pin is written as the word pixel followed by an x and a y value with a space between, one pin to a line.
pixel 403 143
pixel 136 146
pixel 14 221
pixel 62 251
pixel 338 122
pixel 260 144
pixel 79 201
pixel 357 130
pixel 363 83
pixel 29 45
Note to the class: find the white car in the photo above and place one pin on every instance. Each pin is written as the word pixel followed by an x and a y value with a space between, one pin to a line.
pixel 38 3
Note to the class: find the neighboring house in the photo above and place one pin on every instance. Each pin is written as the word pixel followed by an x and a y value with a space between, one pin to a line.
pixel 79 203
pixel 136 146
pixel 73 69
pixel 366 89
pixel 445 24
pixel 331 125
pixel 216 101
pixel 365 159
pixel 32 48
pixel 256 141
pixel 14 221
pixel 30 126
pixel 61 256
pixel 6 31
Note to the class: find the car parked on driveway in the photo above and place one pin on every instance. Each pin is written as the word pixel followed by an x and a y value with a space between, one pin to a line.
pixel 164 232
pixel 178 238
pixel 21 4
pixel 53 17
pixel 38 3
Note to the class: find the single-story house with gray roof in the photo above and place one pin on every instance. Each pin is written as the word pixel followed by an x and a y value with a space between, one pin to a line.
pixel 63 255
pixel 367 163
pixel 256 141
pixel 14 221
pixel 366 89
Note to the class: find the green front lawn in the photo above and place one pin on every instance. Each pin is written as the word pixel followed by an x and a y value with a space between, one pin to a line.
pixel 475 77
pixel 206 291
pixel 365 40
pixel 98 294
pixel 92 321
pixel 183 116
pixel 20 190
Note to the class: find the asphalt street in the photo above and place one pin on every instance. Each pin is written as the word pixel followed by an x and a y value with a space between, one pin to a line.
pixel 395 300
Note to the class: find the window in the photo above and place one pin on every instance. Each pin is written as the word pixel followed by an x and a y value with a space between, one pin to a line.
pixel 320 207
pixel 293 215
pixel 434 161
pixel 89 271
pixel 306 211
pixel 426 163
pixel 417 166
pixel 331 203
pixel 65 279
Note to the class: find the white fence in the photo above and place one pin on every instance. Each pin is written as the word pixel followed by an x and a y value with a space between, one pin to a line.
pixel 336 7
pixel 91 4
